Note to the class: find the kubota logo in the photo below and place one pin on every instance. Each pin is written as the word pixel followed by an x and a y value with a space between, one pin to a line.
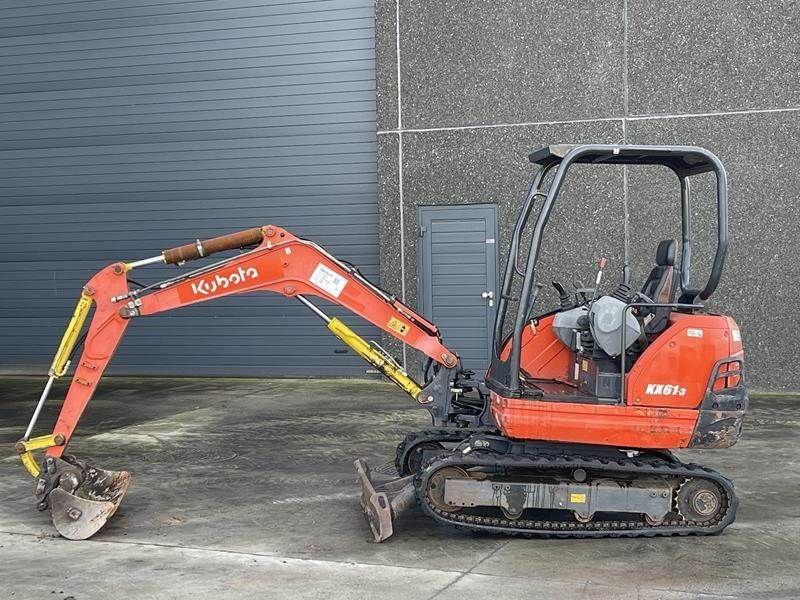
pixel 205 287
pixel 664 389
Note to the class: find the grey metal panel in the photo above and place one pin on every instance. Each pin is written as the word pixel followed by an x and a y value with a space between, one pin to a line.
pixel 458 263
pixel 129 127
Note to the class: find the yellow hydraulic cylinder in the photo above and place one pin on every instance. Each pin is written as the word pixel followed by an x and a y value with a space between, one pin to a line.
pixel 59 366
pixel 381 362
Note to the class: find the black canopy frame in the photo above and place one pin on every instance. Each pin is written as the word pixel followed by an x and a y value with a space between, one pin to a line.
pixel 684 161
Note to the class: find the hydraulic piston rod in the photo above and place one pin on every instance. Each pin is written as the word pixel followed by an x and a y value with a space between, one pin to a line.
pixel 61 361
pixel 385 364
pixel 39 405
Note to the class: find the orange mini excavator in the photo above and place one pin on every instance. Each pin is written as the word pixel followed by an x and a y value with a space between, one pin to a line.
pixel 569 433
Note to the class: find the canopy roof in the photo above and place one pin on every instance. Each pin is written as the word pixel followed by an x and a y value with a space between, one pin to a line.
pixel 684 160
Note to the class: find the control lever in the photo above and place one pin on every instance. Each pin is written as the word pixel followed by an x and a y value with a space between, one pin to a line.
pixel 580 292
pixel 563 296
pixel 600 266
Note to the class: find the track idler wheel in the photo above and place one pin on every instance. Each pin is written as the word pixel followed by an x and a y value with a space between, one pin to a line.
pixel 416 457
pixel 699 500
pixel 436 485
pixel 81 498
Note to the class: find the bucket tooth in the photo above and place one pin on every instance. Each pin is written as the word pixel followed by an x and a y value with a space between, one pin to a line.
pixel 81 497
pixel 383 503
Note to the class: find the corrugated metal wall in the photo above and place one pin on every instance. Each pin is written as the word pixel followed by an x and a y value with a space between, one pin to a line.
pixel 130 126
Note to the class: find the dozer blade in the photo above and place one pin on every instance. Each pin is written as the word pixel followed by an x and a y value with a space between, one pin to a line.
pixel 383 503
pixel 81 497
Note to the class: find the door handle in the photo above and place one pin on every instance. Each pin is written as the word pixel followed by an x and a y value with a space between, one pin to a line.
pixel 488 295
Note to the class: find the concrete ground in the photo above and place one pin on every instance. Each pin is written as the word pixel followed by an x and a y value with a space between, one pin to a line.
pixel 245 488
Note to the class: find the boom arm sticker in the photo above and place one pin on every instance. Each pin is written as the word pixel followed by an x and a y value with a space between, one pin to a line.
pixel 398 326
pixel 328 280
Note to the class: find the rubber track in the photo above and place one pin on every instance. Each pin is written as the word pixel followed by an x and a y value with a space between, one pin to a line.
pixel 574 529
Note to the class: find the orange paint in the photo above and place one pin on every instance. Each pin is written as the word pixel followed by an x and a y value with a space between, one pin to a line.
pixel 102 338
pixel 664 388
pixel 681 357
pixel 542 354
pixel 620 425
pixel 282 263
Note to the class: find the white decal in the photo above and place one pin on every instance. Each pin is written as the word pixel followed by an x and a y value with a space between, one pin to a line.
pixel 736 335
pixel 664 389
pixel 698 333
pixel 328 280
pixel 204 287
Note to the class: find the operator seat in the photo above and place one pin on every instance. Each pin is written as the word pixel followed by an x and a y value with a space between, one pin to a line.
pixel 661 286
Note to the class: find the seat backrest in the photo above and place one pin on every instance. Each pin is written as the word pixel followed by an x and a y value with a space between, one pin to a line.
pixel 662 283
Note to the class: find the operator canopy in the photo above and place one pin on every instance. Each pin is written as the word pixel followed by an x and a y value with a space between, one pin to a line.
pixel 684 160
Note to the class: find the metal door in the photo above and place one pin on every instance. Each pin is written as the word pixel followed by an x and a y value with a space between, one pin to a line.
pixel 458 277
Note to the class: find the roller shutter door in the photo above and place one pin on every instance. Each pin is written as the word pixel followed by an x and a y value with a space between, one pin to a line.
pixel 129 127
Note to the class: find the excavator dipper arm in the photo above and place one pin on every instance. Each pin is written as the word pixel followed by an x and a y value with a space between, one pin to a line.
pixel 81 498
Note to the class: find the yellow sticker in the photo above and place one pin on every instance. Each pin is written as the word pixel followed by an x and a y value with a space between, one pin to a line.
pixel 585 365
pixel 577 498
pixel 398 326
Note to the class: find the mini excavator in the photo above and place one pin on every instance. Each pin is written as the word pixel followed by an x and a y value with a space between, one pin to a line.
pixel 570 432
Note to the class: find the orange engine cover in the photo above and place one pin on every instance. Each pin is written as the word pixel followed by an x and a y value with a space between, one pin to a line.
pixel 665 390
pixel 675 369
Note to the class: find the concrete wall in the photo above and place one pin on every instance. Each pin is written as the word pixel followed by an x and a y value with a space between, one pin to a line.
pixel 467 89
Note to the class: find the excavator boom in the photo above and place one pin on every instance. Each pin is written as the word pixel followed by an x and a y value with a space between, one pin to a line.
pixel 81 498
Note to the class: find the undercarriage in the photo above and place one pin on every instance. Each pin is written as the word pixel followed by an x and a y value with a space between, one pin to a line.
pixel 493 484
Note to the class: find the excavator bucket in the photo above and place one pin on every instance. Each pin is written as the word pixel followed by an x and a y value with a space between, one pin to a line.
pixel 383 503
pixel 81 498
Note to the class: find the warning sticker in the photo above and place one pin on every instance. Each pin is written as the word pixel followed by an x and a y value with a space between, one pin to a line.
pixel 698 333
pixel 328 280
pixel 577 498
pixel 398 326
